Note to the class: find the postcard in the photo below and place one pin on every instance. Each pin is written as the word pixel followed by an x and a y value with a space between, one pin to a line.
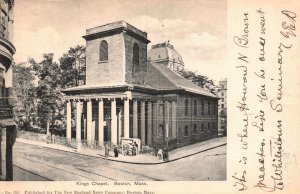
pixel 149 97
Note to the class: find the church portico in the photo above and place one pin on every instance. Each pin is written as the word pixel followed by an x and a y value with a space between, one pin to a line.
pixel 102 119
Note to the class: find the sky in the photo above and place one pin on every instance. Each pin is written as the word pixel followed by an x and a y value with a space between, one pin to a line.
pixel 196 28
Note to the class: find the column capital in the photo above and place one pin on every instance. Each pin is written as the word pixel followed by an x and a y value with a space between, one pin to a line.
pixel 112 99
pixel 87 99
pixel 77 100
pixel 125 98
pixel 99 99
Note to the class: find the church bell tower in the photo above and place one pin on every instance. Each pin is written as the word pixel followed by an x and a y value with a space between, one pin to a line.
pixel 116 54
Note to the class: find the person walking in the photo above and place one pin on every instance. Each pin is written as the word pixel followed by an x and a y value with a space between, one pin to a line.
pixel 136 148
pixel 155 151
pixel 106 150
pixel 133 150
pixel 160 153
pixel 116 151
pixel 165 154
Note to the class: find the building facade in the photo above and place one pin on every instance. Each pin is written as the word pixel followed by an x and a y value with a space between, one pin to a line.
pixel 7 50
pixel 127 95
pixel 222 93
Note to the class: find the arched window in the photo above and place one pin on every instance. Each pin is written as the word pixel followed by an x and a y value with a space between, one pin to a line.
pixel 186 130
pixel 186 107
pixel 136 55
pixel 161 131
pixel 202 127
pixel 195 107
pixel 103 51
pixel 202 108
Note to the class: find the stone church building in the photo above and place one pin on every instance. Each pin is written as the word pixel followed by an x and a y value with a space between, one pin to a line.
pixel 131 95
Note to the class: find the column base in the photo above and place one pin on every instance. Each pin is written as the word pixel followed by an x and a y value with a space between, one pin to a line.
pixel 79 147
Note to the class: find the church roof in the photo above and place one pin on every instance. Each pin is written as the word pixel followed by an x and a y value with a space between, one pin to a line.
pixel 162 78
pixel 159 79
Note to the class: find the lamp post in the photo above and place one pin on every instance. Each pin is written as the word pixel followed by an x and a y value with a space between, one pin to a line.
pixel 167 135
pixel 0 153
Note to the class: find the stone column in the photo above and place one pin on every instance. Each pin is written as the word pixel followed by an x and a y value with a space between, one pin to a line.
pixel 167 119
pixel 69 121
pixel 89 122
pixel 114 134
pixel 101 122
pixel 174 127
pixel 126 118
pixel 149 124
pixel 78 121
pixel 155 121
pixel 135 119
pixel 143 122
pixel 119 124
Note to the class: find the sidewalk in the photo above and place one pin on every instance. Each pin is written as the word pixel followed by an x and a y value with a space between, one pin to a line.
pixel 139 159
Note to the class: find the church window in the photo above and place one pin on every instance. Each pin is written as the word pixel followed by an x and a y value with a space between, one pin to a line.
pixel 202 128
pixel 136 55
pixel 186 130
pixel 186 107
pixel 103 51
pixel 195 107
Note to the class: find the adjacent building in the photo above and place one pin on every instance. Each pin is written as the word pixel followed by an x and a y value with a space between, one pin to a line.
pixel 7 50
pixel 222 93
pixel 129 94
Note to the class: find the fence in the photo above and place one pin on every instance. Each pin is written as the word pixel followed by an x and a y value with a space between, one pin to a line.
pixel 96 145
pixel 73 143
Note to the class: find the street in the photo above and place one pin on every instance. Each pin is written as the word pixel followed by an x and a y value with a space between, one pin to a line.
pixel 40 163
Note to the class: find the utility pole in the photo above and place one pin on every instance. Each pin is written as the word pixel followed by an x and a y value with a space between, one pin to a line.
pixel 162 32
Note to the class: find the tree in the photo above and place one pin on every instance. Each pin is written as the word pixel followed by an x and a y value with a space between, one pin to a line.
pixel 37 88
pixel 200 80
pixel 73 67
pixel 23 94
pixel 48 91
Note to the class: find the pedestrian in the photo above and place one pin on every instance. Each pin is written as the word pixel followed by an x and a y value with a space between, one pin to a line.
pixel 159 153
pixel 106 150
pixel 127 149
pixel 116 151
pixel 136 148
pixel 155 151
pixel 165 154
pixel 133 150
